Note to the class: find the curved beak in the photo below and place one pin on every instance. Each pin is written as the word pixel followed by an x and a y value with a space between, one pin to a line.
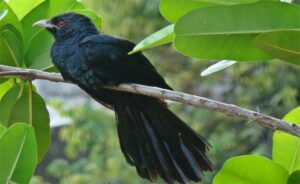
pixel 46 23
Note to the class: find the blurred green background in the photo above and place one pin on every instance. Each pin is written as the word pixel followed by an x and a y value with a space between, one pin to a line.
pixel 87 150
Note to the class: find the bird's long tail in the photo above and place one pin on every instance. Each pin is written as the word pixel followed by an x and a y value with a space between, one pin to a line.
pixel 157 142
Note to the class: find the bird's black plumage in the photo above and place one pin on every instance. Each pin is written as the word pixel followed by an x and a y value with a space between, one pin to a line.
pixel 152 138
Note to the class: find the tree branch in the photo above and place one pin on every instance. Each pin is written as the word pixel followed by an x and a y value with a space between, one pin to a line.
pixel 202 102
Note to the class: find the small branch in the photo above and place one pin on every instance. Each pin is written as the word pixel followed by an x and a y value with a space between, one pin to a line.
pixel 30 74
pixel 202 102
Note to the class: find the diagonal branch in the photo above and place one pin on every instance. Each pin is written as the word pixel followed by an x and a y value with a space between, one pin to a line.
pixel 202 102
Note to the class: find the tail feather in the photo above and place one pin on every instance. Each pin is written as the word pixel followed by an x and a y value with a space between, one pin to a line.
pixel 132 145
pixel 148 149
pixel 157 142
pixel 166 132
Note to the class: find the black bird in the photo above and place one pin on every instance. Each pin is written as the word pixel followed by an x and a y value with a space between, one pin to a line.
pixel 152 138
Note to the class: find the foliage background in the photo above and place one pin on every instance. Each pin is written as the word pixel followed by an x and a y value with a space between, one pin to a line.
pixel 87 151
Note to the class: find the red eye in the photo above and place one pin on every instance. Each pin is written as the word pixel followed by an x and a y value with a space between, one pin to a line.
pixel 61 24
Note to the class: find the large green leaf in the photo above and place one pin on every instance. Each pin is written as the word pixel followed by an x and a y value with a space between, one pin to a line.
pixel 172 10
pixel 14 30
pixel 10 17
pixel 286 148
pixel 21 7
pixel 38 56
pixel 160 37
pixel 251 169
pixel 284 45
pixel 39 12
pixel 11 46
pixel 17 154
pixel 7 103
pixel 58 6
pixel 24 110
pixel 92 15
pixel 227 32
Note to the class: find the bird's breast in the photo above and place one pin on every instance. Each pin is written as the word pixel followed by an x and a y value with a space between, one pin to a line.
pixel 72 65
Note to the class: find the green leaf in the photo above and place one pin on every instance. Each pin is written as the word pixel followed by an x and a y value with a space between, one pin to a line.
pixel 160 37
pixel 3 14
pixel 172 10
pixel 228 32
pixel 251 169
pixel 10 17
pixel 58 6
pixel 281 44
pixel 7 103
pixel 11 46
pixel 38 13
pixel 217 67
pixel 4 87
pixel 2 130
pixel 21 112
pixel 294 178
pixel 38 56
pixel 18 154
pixel 16 32
pixel 77 6
pixel 92 15
pixel 286 148
pixel 21 7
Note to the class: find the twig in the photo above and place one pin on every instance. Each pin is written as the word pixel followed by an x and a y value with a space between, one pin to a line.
pixel 202 102
pixel 30 74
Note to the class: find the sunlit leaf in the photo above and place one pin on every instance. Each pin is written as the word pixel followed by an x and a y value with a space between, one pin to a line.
pixel 4 87
pixel 3 14
pixel 10 17
pixel 160 37
pixel 217 67
pixel 286 148
pixel 228 32
pixel 251 169
pixel 21 7
pixel 284 45
pixel 18 154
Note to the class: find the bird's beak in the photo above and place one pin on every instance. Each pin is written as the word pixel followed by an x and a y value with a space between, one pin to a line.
pixel 46 23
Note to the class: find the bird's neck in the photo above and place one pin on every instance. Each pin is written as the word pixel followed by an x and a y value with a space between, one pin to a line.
pixel 75 37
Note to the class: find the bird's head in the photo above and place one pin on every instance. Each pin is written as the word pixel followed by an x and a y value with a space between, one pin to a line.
pixel 68 25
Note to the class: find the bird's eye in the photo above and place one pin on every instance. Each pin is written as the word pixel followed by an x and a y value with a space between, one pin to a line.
pixel 61 24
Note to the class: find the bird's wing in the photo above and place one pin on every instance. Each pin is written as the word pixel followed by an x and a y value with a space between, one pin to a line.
pixel 108 57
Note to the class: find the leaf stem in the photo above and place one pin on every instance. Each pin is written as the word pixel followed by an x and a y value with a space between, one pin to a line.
pixel 21 90
pixel 30 102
